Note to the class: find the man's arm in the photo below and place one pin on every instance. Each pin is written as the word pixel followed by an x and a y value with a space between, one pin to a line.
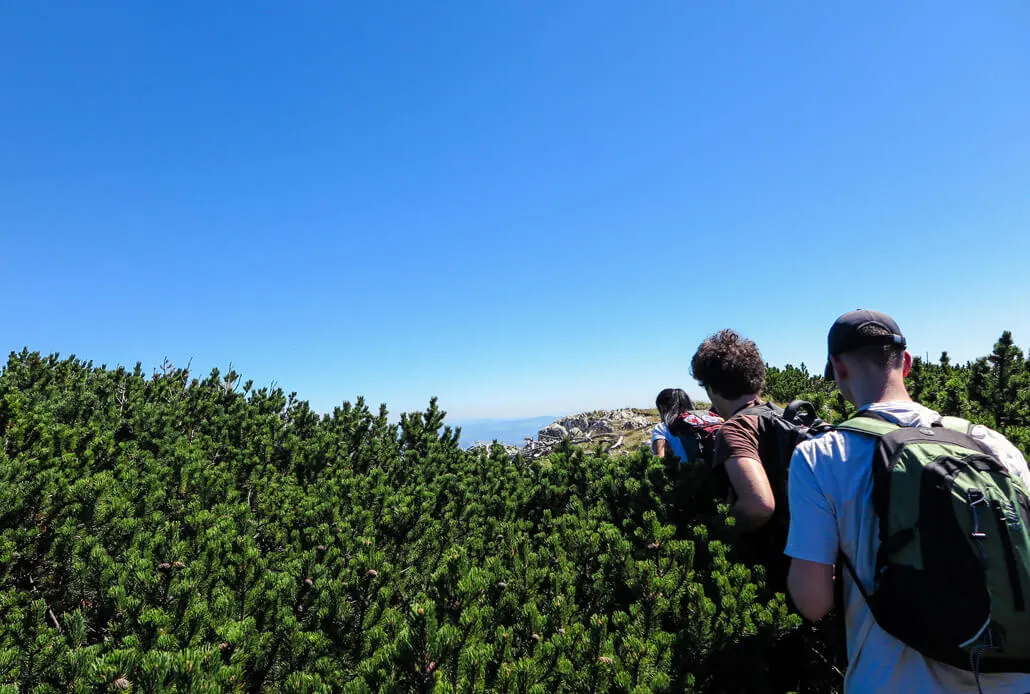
pixel 811 586
pixel 736 450
pixel 754 503
pixel 812 541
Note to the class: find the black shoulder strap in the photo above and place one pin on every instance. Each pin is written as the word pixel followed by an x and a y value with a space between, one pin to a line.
pixel 842 556
pixel 854 577
pixel 840 630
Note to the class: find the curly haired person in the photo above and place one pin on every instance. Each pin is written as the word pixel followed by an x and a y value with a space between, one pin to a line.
pixel 731 370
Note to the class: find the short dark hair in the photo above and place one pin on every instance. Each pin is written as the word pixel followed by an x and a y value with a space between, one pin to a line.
pixel 671 403
pixel 883 357
pixel 729 364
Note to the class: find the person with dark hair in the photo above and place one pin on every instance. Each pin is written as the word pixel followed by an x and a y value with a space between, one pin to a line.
pixel 885 492
pixel 751 449
pixel 731 370
pixel 672 403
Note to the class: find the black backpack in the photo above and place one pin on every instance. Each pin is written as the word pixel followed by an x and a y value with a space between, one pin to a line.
pixel 779 431
pixel 953 564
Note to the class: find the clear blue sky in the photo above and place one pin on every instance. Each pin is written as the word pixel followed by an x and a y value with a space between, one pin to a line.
pixel 524 208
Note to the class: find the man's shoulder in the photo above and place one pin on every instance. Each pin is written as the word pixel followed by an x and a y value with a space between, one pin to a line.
pixel 1006 451
pixel 826 439
pixel 737 437
pixel 993 439
pixel 758 410
pixel 831 444
pixel 742 423
pixel 913 413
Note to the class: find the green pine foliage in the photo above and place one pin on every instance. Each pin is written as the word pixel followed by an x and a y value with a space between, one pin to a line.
pixel 171 533
pixel 795 383
pixel 992 390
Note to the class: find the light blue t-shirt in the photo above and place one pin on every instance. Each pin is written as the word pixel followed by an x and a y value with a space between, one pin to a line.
pixel 673 442
pixel 830 490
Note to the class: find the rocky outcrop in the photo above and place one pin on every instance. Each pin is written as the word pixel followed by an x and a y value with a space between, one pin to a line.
pixel 609 428
pixel 483 445
pixel 602 426
pixel 552 432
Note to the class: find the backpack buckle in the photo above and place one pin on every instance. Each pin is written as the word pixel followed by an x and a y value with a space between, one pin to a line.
pixel 975 497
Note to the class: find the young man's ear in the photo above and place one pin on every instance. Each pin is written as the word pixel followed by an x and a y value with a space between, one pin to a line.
pixel 840 371
pixel 907 366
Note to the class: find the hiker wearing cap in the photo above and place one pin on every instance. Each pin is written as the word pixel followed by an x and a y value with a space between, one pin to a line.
pixel 927 515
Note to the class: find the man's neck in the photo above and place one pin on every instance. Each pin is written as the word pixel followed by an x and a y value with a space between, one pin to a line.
pixel 891 391
pixel 728 408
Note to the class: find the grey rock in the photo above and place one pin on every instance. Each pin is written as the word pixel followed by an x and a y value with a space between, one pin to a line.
pixel 576 421
pixel 603 426
pixel 554 432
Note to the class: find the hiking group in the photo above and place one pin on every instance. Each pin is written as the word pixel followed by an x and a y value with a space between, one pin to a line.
pixel 916 525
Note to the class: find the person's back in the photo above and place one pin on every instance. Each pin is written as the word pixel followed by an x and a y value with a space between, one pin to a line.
pixel 664 442
pixel 748 434
pixel 732 372
pixel 831 499
pixel 836 469
pixel 746 458
pixel 671 404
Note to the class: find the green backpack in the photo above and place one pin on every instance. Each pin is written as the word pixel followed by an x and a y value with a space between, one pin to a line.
pixel 953 567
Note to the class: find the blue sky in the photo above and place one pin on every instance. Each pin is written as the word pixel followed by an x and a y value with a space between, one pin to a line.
pixel 523 208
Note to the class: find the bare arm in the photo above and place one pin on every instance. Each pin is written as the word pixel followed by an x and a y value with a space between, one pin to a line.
pixel 811 586
pixel 659 447
pixel 754 497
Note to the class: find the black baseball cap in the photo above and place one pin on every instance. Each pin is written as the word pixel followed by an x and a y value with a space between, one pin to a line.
pixel 845 334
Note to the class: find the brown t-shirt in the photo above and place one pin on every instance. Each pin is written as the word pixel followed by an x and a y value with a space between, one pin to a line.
pixel 737 438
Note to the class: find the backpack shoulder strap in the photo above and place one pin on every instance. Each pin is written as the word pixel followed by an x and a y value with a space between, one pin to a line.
pixel 964 426
pixel 868 425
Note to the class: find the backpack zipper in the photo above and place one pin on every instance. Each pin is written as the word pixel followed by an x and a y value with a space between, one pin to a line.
pixel 1010 556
